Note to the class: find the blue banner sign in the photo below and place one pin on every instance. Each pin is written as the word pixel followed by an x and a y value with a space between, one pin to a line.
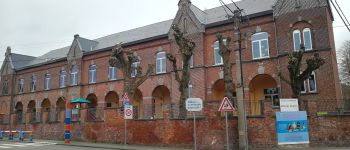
pixel 292 128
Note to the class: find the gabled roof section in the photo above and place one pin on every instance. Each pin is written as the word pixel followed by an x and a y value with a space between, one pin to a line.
pixel 287 6
pixel 86 44
pixel 19 60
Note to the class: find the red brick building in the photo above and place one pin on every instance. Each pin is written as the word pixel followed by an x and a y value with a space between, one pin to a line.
pixel 35 90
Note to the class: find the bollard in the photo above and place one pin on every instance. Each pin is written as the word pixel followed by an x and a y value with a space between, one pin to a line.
pixel 30 136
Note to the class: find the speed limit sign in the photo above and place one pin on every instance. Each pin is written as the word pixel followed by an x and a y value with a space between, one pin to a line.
pixel 128 112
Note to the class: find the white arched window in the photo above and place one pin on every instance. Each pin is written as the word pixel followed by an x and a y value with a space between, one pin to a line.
pixel 33 86
pixel 307 39
pixel 74 75
pixel 63 78
pixel 160 62
pixel 112 73
pixel 134 67
pixel 92 74
pixel 47 81
pixel 217 56
pixel 260 45
pixel 296 40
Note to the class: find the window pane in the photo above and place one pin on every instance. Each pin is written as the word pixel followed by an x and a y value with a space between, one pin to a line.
pixel 312 83
pixel 256 49
pixel 303 87
pixel 307 40
pixel 259 36
pixel 163 65
pixel 191 61
pixel 158 66
pixel 264 48
pixel 296 41
pixel 218 58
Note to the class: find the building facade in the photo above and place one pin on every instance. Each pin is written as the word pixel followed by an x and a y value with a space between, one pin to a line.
pixel 36 90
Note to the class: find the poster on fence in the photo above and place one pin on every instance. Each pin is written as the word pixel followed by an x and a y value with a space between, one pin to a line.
pixel 292 128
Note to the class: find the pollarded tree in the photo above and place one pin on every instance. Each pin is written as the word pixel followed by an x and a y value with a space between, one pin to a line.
pixel 225 52
pixel 296 76
pixel 123 60
pixel 344 62
pixel 186 47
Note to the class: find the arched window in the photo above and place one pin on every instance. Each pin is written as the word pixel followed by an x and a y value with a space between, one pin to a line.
pixel 21 86
pixel 161 63
pixel 312 83
pixel 134 67
pixel 74 75
pixel 112 73
pixel 5 87
pixel 63 78
pixel 33 86
pixel 307 39
pixel 260 45
pixel 47 81
pixel 92 74
pixel 217 55
pixel 296 40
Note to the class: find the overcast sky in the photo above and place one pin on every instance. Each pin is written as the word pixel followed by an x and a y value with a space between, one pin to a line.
pixel 34 27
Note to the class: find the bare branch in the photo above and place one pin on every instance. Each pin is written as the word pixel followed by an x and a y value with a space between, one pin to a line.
pixel 172 58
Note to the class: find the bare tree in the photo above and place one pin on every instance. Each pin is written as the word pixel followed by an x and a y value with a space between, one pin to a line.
pixel 225 52
pixel 296 77
pixel 344 62
pixel 186 47
pixel 123 60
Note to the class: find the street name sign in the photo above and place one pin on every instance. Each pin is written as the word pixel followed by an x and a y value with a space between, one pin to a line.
pixel 194 104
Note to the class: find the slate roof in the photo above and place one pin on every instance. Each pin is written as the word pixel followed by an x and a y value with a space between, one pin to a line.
pixel 19 60
pixel 285 6
pixel 206 17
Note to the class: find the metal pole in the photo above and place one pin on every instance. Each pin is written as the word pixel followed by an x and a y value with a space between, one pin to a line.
pixel 195 131
pixel 125 131
pixel 227 139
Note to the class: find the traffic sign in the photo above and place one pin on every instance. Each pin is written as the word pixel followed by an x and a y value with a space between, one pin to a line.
pixel 126 98
pixel 128 112
pixel 226 105
pixel 194 104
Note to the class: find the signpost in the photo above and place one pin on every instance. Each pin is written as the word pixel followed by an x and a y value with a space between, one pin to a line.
pixel 194 105
pixel 128 114
pixel 226 106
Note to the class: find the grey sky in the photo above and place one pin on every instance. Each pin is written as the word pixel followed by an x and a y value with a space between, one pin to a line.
pixel 37 26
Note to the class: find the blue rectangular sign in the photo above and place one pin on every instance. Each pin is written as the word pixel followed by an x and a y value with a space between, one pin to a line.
pixel 292 127
pixel 68 113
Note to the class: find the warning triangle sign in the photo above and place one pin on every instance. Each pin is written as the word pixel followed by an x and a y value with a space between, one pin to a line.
pixel 126 98
pixel 226 105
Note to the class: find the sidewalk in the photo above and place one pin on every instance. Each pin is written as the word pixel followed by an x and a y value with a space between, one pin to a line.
pixel 140 147
pixel 110 146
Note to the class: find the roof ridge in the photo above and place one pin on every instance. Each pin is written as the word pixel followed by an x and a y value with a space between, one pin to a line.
pixel 23 55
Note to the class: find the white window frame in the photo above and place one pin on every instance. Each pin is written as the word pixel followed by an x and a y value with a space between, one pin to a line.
pixel 74 75
pixel 134 67
pixel 21 86
pixel 92 73
pixel 33 86
pixel 47 81
pixel 161 58
pixel 63 77
pixel 307 30
pixel 190 91
pixel 308 83
pixel 260 50
pixel 112 73
pixel 217 48
pixel 294 45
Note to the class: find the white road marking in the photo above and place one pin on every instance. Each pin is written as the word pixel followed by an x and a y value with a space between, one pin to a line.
pixel 5 147
pixel 19 145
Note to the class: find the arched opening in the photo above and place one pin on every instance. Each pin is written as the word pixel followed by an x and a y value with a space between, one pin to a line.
pixel 137 103
pixel 31 111
pixel 262 88
pixel 161 99
pixel 45 110
pixel 112 100
pixel 218 90
pixel 60 109
pixel 218 94
pixel 19 113
pixel 3 111
pixel 93 114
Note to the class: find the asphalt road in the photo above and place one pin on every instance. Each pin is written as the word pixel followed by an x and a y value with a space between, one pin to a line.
pixel 4 145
